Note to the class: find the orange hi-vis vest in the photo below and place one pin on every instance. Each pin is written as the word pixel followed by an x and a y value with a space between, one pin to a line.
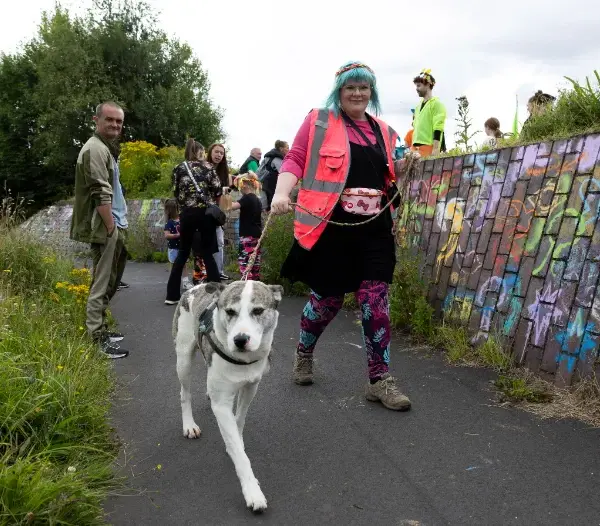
pixel 326 171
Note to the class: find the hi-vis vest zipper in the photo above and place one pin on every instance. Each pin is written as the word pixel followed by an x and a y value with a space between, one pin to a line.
pixel 326 171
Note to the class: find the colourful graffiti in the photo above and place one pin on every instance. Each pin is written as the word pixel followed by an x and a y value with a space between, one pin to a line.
pixel 511 244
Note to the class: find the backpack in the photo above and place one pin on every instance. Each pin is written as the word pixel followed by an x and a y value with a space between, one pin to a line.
pixel 265 169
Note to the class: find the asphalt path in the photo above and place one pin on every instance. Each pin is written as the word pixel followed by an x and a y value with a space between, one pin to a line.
pixel 323 454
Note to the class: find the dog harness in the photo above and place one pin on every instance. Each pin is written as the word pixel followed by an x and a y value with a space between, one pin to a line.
pixel 205 330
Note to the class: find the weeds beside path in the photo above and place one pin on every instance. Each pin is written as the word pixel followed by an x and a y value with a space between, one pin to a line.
pixel 56 447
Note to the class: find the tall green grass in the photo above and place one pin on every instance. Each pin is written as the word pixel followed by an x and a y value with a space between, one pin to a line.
pixel 56 448
pixel 576 111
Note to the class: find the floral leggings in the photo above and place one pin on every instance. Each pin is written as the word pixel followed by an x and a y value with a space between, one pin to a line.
pixel 247 247
pixel 372 297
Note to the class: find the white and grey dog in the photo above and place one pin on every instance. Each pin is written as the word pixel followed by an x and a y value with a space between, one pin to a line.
pixel 233 327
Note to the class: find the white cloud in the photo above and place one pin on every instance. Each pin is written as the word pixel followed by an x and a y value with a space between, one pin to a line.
pixel 270 63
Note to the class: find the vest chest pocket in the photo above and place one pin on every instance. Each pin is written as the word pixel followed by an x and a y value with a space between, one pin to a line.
pixel 331 163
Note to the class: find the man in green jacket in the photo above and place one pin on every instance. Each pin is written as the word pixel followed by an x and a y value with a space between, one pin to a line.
pixel 251 164
pixel 100 218
pixel 430 117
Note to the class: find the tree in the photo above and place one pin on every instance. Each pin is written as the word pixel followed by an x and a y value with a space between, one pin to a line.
pixel 463 133
pixel 48 92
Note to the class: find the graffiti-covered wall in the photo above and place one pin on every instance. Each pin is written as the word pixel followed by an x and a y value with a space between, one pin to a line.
pixel 511 243
pixel 145 217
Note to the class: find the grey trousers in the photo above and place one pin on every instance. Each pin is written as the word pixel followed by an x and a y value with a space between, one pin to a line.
pixel 109 264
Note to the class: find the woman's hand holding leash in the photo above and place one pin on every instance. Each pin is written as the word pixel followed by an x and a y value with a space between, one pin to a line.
pixel 281 204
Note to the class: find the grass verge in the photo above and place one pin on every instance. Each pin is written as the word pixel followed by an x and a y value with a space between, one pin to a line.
pixel 56 447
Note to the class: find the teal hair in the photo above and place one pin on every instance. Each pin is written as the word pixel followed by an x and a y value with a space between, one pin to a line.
pixel 354 75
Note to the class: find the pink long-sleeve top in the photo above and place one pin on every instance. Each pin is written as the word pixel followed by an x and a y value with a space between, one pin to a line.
pixel 295 160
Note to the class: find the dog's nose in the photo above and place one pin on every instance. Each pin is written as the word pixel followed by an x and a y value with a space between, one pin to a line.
pixel 240 340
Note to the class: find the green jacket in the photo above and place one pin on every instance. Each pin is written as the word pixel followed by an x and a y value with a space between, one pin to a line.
pixel 93 187
pixel 431 118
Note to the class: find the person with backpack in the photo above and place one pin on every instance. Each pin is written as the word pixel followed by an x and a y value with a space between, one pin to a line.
pixel 269 169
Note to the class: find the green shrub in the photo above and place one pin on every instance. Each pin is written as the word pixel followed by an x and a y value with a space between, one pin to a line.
pixel 576 111
pixel 275 247
pixel 523 388
pixel 160 257
pixel 138 167
pixel 139 243
pixel 407 306
pixel 147 172
pixel 421 323
pixel 454 341
pixel 492 354
pixel 56 448
pixel 162 186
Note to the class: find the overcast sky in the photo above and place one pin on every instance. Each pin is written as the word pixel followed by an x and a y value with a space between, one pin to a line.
pixel 271 62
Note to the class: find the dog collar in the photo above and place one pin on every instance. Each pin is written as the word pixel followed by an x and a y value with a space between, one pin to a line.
pixel 205 329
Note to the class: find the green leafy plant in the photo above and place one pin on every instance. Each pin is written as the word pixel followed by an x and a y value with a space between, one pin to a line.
pixel 115 51
pixel 422 323
pixel 576 111
pixel 464 123
pixel 407 291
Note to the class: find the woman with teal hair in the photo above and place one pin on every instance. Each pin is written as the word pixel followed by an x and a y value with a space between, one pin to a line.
pixel 343 157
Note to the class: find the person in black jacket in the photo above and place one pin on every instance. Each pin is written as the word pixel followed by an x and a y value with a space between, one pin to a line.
pixel 269 169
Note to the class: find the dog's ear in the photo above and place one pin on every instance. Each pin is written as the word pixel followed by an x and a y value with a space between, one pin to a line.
pixel 277 291
pixel 214 288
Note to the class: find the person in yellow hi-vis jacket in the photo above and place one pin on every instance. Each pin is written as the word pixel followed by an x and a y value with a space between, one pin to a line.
pixel 430 117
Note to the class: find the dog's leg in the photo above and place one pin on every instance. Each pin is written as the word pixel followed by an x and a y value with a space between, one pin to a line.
pixel 245 397
pixel 185 346
pixel 222 406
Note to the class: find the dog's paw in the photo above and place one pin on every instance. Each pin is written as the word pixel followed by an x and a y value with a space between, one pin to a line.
pixel 191 431
pixel 255 500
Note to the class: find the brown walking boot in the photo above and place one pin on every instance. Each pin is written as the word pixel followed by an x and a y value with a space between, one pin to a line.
pixel 303 368
pixel 386 392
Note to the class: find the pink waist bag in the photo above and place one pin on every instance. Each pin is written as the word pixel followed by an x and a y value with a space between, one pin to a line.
pixel 361 201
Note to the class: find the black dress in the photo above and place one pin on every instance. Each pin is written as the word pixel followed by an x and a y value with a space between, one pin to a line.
pixel 344 256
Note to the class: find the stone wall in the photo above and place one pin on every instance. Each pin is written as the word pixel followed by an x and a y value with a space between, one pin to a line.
pixel 52 226
pixel 511 244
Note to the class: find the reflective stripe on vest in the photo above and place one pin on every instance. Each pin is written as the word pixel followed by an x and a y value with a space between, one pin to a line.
pixel 307 219
pixel 321 125
pixel 311 183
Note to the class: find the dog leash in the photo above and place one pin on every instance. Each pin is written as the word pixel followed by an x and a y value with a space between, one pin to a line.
pixel 411 161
